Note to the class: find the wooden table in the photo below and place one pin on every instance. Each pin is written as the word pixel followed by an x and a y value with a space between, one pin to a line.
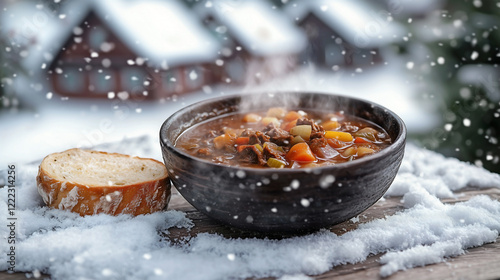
pixel 479 263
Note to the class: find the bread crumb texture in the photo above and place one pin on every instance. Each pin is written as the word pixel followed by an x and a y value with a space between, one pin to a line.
pixel 95 168
pixel 92 182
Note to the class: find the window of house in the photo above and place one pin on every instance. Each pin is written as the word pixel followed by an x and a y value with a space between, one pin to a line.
pixel 333 54
pixel 235 69
pixel 171 81
pixel 194 76
pixel 361 57
pixel 103 81
pixel 71 80
pixel 97 37
pixel 133 79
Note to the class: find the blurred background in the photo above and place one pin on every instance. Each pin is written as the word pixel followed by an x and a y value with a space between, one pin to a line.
pixel 81 73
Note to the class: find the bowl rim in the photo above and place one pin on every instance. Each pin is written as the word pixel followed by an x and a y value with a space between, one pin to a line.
pixel 397 143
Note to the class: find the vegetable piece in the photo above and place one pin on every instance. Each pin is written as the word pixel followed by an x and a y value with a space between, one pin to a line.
pixel 368 133
pixel 259 147
pixel 303 131
pixel 251 118
pixel 300 152
pixel 267 120
pixel 360 140
pixel 362 151
pixel 275 163
pixel 349 152
pixel 289 125
pixel 276 112
pixel 331 125
pixel 223 140
pixel 292 116
pixel 297 139
pixel 325 152
pixel 339 135
pixel 242 140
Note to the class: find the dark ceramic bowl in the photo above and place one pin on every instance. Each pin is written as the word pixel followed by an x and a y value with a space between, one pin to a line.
pixel 282 200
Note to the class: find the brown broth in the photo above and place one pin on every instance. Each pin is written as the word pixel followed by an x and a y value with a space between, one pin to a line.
pixel 199 140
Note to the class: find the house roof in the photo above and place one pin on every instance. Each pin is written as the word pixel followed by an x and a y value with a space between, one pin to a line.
pixel 356 21
pixel 33 28
pixel 261 30
pixel 163 31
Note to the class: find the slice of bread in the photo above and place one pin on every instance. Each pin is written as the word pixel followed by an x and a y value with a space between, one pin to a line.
pixel 92 182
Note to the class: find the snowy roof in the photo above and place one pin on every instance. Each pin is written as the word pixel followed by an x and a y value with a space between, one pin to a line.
pixel 260 29
pixel 356 21
pixel 161 31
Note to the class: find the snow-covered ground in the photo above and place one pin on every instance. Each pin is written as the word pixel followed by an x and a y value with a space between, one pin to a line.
pixel 56 124
pixel 426 231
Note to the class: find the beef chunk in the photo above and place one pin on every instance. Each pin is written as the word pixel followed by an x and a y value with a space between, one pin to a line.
pixel 277 135
pixel 348 127
pixel 258 138
pixel 272 150
pixel 250 154
pixel 255 137
pixel 247 132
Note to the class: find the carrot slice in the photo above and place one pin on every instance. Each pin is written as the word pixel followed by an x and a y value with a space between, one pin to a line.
pixel 300 152
pixel 359 140
pixel 242 140
pixel 339 135
pixel 291 116
pixel 289 125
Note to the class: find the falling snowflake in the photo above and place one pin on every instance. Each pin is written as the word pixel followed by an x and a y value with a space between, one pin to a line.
pixel 193 75
pixel 466 122
pixel 305 202
pixel 474 55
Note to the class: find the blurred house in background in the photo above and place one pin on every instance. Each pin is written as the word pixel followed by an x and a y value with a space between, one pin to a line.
pixel 148 49
pixel 151 48
pixel 258 42
pixel 344 32
pixel 154 49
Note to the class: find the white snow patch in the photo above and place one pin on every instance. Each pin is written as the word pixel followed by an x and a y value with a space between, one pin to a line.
pixel 68 246
pixel 440 176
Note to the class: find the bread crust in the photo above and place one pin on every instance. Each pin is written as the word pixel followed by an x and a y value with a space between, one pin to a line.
pixel 134 199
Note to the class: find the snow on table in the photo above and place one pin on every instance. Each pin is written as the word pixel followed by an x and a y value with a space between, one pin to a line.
pixel 423 231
